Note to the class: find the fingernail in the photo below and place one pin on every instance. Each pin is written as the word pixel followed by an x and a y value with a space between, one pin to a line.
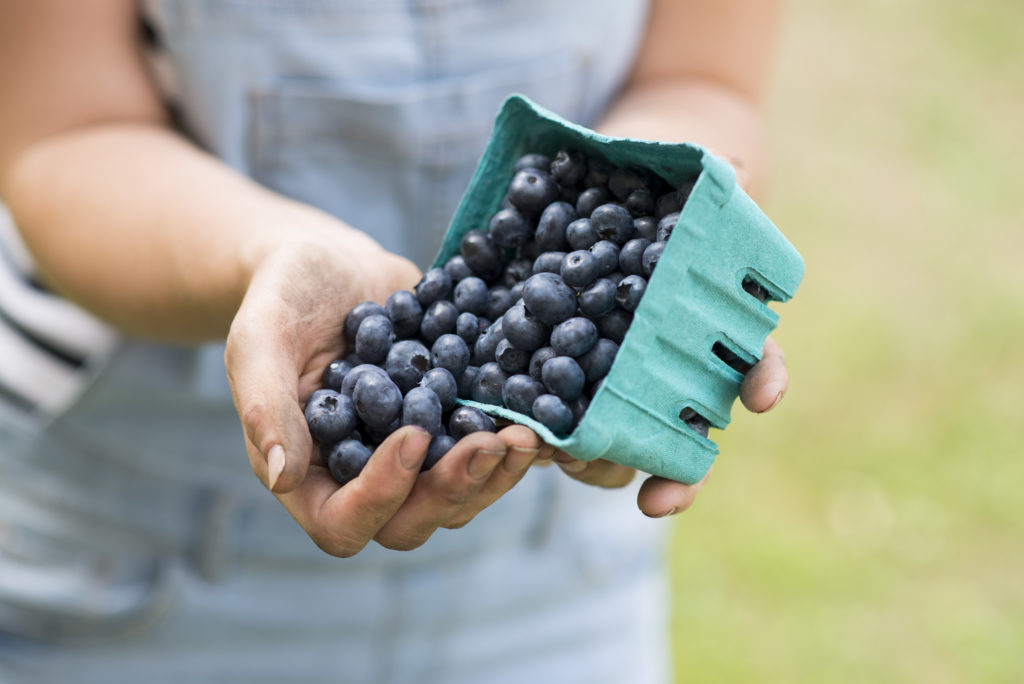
pixel 778 398
pixel 571 465
pixel 519 459
pixel 671 511
pixel 483 463
pixel 411 456
pixel 275 465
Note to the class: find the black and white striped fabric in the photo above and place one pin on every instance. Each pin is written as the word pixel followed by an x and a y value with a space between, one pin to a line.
pixel 50 349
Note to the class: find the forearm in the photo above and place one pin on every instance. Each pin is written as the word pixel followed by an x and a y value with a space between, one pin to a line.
pixel 147 231
pixel 697 111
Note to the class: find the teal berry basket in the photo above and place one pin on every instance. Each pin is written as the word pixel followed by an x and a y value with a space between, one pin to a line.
pixel 697 316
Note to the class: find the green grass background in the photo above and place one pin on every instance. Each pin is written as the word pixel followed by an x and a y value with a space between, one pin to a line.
pixel 871 529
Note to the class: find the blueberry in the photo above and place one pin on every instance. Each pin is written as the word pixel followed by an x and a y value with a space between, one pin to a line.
pixel 607 253
pixel 489 381
pixel 405 312
pixel 646 227
pixel 590 199
pixel 378 400
pixel 439 318
pixel 597 299
pixel 598 361
pixel 373 339
pixel 407 361
pixel 684 189
pixel 347 458
pixel 376 435
pixel 485 259
pixel 595 388
pixel 622 182
pixel 516 271
pixel 563 377
pixel 466 381
pixel 441 382
pixel 548 298
pixel 456 269
pixel 666 225
pixel 538 359
pixel 499 299
pixel 554 414
pixel 471 295
pixel 580 268
pixel 357 314
pixel 579 406
pixel 551 226
pixel 467 327
pixel 451 353
pixel 667 204
pixel 651 256
pixel 483 350
pixel 695 422
pixel 331 417
pixel 519 393
pixel 349 383
pixel 598 172
pixel 533 160
pixel 523 329
pixel 531 190
pixel 630 290
pixel 435 285
pixel 548 262
pixel 466 420
pixel 517 291
pixel 353 359
pixel 639 202
pixel 580 234
pixel 614 325
pixel 612 222
pixel 569 167
pixel 439 446
pixel 510 358
pixel 509 228
pixel 574 337
pixel 631 256
pixel 335 374
pixel 422 407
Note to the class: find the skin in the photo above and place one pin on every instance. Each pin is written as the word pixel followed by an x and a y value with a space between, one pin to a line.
pixel 94 177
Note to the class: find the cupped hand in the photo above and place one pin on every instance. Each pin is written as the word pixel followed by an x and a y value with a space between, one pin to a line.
pixel 763 387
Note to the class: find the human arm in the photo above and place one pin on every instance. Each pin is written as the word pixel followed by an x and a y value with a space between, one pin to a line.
pixel 699 77
pixel 142 227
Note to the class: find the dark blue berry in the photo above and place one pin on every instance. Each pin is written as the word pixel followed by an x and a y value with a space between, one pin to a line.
pixel 531 190
pixel 483 350
pixel 614 325
pixel 489 381
pixel 598 361
pixel 646 227
pixel 349 383
pixel 471 295
pixel 554 414
pixel 378 400
pixel 466 381
pixel 456 269
pixel 376 435
pixel 629 292
pixel 666 225
pixel 467 327
pixel 580 268
pixel 622 182
pixel 422 407
pixel 538 360
pixel 533 160
pixel 607 253
pixel 580 234
pixel 516 271
pixel 499 299
pixel 373 339
pixel 548 262
pixel 485 259
pixel 597 299
pixel 466 420
pixel 591 199
pixel 552 224
pixel 574 337
pixel 406 363
pixel 639 202
pixel 439 446
pixel 519 393
pixel 563 377
pixel 523 329
pixel 569 167
pixel 347 458
pixel 667 204
pixel 435 285
pixel 598 172
pixel 579 406
pixel 651 256
pixel 335 374
pixel 451 353
pixel 631 256
pixel 612 222
pixel 509 228
pixel 357 314
pixel 440 318
pixel 510 358
pixel 331 417
pixel 548 298
pixel 405 312
pixel 441 382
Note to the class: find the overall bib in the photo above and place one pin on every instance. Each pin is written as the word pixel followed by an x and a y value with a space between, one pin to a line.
pixel 135 543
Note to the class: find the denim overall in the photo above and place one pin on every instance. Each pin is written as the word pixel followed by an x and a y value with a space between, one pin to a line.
pixel 136 545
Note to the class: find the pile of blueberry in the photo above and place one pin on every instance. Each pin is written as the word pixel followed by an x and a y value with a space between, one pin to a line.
pixel 529 315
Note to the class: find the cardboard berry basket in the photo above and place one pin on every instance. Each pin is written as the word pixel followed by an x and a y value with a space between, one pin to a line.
pixel 697 316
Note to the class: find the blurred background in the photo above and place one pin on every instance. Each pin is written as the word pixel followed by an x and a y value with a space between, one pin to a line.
pixel 872 527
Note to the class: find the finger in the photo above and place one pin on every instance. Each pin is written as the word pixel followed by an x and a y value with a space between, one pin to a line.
pixel 441 492
pixel 599 472
pixel 342 520
pixel 765 384
pixel 659 497
pixel 523 448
